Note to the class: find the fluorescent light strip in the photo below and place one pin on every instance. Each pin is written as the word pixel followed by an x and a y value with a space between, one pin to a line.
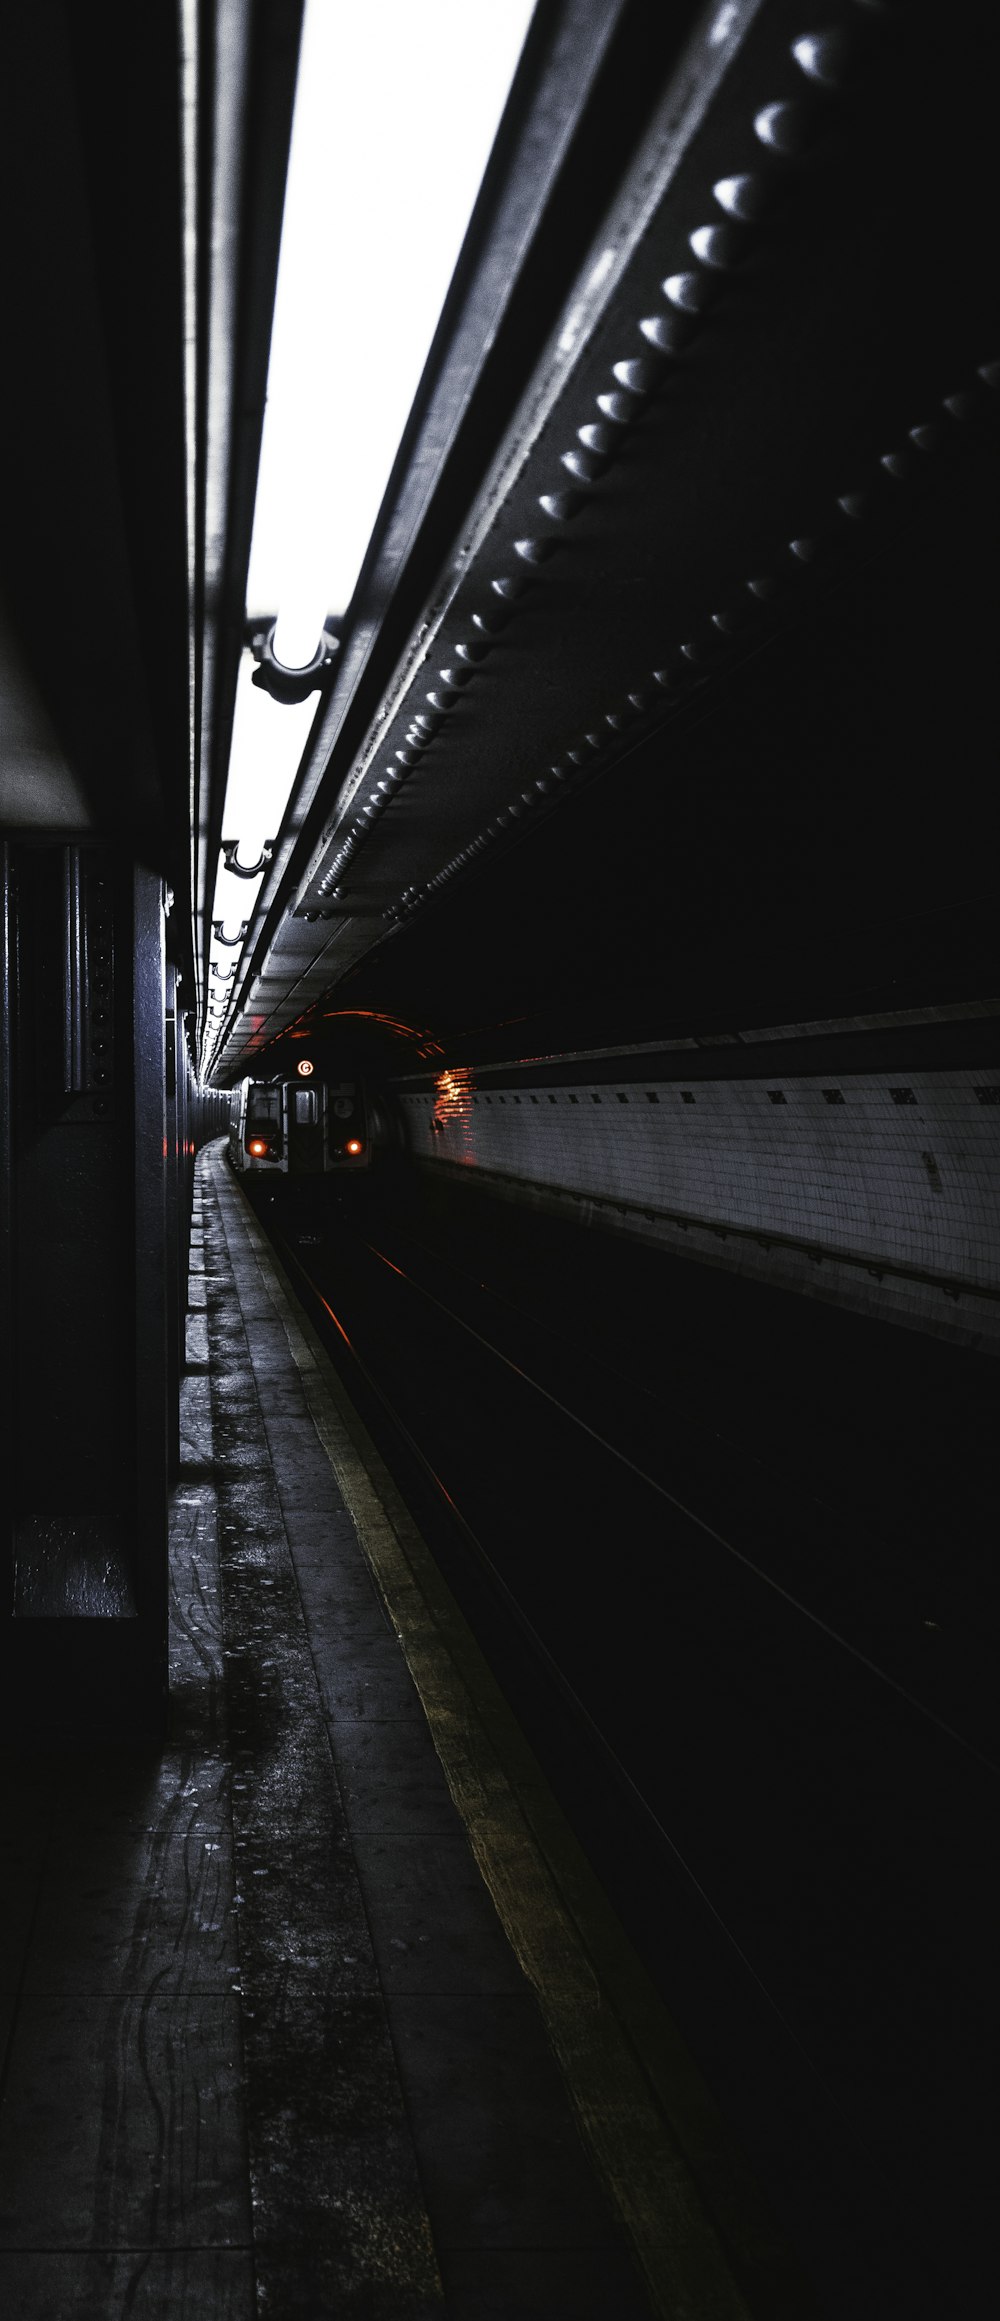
pixel 266 752
pixel 396 110
pixel 268 741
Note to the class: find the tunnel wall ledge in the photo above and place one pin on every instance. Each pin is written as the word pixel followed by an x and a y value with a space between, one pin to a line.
pixel 964 1315
pixel 890 1208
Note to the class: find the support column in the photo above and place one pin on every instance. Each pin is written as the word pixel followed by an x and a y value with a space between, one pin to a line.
pixel 173 1177
pixel 83 1651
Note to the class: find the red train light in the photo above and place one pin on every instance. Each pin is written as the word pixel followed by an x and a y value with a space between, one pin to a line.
pixel 354 1145
pixel 258 1147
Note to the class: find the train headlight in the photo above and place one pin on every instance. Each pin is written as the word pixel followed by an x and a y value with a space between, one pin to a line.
pixel 354 1145
pixel 257 1147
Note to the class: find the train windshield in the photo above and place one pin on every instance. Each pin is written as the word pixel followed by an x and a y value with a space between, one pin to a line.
pixel 264 1108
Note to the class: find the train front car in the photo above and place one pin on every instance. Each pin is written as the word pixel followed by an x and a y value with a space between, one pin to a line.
pixel 311 1123
pixel 326 1117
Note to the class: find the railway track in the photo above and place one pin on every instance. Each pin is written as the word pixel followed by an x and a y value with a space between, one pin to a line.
pixel 746 1675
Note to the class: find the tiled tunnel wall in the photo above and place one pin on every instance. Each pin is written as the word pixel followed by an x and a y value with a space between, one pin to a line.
pixel 880 1191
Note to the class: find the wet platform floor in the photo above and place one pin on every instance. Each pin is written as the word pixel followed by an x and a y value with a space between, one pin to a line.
pixel 314 2012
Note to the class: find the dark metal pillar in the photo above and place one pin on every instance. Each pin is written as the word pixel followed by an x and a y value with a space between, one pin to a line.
pixel 6 1235
pixel 83 1627
pixel 173 1156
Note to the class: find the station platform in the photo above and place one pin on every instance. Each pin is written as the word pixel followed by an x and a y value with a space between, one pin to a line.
pixel 319 2009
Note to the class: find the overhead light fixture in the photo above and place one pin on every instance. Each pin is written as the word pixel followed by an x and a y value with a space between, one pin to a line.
pixel 290 685
pixel 232 863
pixel 266 750
pixel 397 106
pixel 396 110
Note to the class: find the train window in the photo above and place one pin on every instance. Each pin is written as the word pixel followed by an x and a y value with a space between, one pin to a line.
pixel 304 1101
pixel 264 1108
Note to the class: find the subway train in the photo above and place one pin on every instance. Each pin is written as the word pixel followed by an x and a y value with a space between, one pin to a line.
pixel 302 1126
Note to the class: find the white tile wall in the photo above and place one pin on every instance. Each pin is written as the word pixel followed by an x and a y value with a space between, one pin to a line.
pixel 867 1182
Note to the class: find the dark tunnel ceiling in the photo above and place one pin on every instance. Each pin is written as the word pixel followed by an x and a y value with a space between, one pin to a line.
pixel 781 847
pixel 816 839
pixel 809 832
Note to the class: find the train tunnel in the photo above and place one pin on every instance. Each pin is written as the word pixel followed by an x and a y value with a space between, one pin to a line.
pixel 499 1218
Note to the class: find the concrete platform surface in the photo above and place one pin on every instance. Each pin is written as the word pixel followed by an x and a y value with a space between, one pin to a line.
pixel 314 2012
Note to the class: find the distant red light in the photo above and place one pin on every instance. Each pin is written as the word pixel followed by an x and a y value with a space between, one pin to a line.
pixel 354 1145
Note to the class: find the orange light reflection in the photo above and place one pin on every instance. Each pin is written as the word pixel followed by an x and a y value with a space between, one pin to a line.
pixel 329 1310
pixel 389 1023
pixel 452 1115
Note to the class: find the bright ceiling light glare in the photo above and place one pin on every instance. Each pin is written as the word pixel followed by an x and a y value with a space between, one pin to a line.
pixel 268 740
pixel 265 753
pixel 397 106
pixel 396 110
